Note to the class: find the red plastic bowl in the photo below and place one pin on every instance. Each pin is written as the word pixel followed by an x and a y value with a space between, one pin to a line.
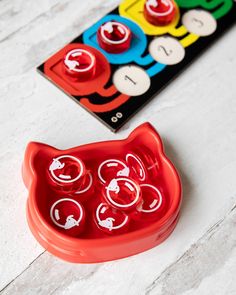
pixel 84 226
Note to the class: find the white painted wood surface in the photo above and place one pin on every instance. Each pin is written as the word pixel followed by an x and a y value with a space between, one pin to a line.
pixel 196 116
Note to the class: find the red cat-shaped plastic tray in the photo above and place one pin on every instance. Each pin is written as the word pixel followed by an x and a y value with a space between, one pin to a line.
pixel 102 201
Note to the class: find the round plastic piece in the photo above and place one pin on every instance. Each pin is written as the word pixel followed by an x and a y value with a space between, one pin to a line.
pixel 66 173
pixel 123 193
pixel 159 12
pixel 68 216
pixel 80 64
pixel 114 37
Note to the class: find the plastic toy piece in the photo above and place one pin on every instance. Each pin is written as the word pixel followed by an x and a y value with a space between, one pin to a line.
pixel 87 184
pixel 112 168
pixel 105 218
pixel 80 64
pixel 152 199
pixel 123 193
pixel 66 169
pixel 159 12
pixel 138 170
pixel 111 220
pixel 68 215
pixel 114 37
pixel 66 173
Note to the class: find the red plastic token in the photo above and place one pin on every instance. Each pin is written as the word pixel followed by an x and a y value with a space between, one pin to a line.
pixel 111 220
pixel 159 12
pixel 114 37
pixel 80 64
pixel 112 168
pixel 86 184
pixel 66 173
pixel 68 216
pixel 151 199
pixel 137 168
pixel 123 193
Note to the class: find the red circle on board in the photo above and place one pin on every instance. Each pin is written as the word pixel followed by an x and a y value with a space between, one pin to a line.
pixel 54 69
pixel 80 64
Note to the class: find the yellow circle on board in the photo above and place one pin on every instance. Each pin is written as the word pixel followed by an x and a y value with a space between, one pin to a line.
pixel 133 9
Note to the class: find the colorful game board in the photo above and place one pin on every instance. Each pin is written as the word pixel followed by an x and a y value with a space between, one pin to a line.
pixel 114 79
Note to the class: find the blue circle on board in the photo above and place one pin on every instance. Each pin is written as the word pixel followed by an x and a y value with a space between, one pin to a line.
pixel 138 42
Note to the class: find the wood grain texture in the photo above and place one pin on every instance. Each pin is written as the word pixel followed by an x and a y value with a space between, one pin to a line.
pixel 196 116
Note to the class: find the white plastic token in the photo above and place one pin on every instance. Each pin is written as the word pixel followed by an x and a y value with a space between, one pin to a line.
pixel 58 164
pixel 167 50
pixel 131 80
pixel 199 22
pixel 70 220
